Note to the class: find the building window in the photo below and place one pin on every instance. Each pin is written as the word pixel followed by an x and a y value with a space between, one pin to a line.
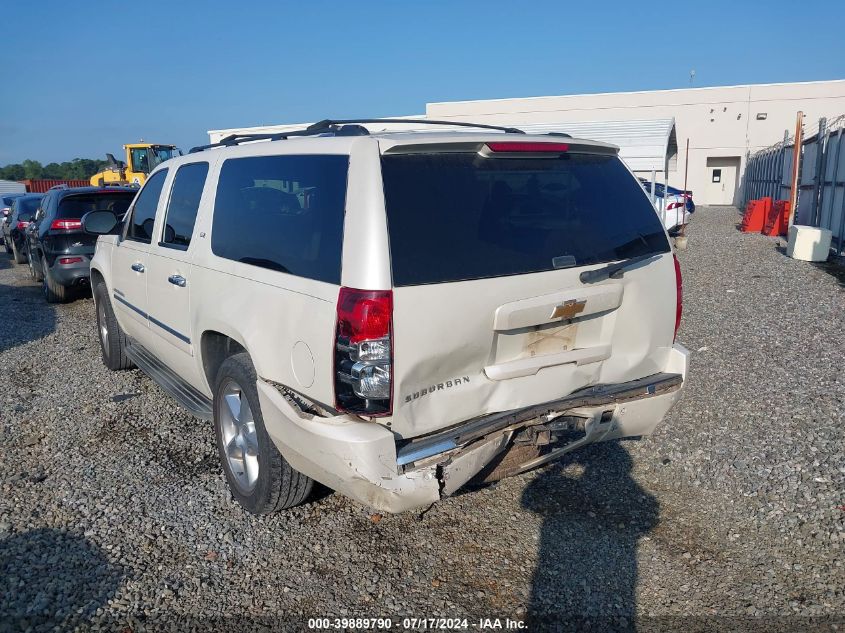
pixel 717 175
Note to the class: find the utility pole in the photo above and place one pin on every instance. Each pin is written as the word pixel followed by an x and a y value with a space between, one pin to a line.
pixel 796 158
pixel 686 171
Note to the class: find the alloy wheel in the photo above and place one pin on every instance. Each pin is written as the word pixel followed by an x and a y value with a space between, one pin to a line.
pixel 240 440
pixel 103 326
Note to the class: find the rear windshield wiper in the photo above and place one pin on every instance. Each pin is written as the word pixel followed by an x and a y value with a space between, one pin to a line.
pixel 591 276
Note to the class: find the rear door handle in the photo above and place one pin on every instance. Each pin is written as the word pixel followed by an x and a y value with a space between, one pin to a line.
pixel 138 267
pixel 177 280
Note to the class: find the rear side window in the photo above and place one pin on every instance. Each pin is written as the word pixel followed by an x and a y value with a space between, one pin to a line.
pixel 78 205
pixel 144 212
pixel 282 212
pixel 183 204
pixel 27 207
pixel 461 216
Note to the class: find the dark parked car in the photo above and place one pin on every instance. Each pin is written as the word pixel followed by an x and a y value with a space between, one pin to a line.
pixel 59 250
pixel 6 209
pixel 22 211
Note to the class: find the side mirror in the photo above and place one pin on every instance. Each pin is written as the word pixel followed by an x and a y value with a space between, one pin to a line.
pixel 100 223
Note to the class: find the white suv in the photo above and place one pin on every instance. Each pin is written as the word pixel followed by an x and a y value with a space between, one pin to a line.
pixel 394 314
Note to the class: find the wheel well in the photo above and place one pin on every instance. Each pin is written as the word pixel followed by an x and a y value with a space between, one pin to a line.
pixel 96 277
pixel 215 348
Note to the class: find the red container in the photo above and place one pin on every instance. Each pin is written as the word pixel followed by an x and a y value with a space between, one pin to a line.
pixel 43 185
pixel 777 220
pixel 756 212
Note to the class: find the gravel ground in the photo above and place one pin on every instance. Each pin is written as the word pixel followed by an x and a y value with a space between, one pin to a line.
pixel 114 512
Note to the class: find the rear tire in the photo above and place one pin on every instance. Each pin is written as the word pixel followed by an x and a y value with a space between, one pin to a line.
pixel 17 255
pixel 36 276
pixel 53 292
pixel 258 476
pixel 113 341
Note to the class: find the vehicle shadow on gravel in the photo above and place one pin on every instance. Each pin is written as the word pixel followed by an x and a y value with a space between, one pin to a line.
pixel 835 268
pixel 586 577
pixel 24 313
pixel 53 579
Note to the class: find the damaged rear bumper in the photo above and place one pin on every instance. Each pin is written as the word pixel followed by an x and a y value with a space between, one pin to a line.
pixel 363 460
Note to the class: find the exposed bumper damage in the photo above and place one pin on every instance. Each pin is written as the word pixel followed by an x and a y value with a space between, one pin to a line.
pixel 363 460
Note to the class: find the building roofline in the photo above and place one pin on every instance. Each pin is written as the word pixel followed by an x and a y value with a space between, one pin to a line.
pixel 636 92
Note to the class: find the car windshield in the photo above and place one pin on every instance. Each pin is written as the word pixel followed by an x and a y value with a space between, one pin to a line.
pixel 462 216
pixel 76 206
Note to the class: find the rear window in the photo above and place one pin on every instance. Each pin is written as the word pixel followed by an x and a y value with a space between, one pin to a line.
pixel 76 206
pixel 282 212
pixel 453 217
pixel 27 206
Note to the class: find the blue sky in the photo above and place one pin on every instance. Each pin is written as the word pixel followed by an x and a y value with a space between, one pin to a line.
pixel 81 79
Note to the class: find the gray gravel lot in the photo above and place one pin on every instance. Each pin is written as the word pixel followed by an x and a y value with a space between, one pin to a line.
pixel 113 508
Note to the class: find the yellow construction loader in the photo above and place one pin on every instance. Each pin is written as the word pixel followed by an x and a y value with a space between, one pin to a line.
pixel 141 159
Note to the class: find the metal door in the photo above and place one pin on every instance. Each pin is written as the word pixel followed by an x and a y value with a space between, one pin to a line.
pixel 721 180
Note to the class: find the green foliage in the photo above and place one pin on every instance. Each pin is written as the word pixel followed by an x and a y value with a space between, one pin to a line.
pixel 76 169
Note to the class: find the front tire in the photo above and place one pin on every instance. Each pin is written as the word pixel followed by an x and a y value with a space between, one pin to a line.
pixel 258 476
pixel 113 341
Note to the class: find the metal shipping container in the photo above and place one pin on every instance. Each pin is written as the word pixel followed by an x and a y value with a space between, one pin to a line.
pixel 43 185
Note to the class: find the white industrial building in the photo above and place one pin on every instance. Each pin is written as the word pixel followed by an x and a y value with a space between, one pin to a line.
pixel 723 124
pixel 12 186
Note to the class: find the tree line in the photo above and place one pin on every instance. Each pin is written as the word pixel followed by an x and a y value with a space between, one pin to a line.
pixel 76 169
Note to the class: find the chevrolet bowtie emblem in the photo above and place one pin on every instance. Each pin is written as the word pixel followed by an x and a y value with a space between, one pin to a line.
pixel 569 309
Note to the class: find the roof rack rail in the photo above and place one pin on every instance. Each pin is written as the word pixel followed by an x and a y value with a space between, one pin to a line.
pixel 340 127
pixel 328 123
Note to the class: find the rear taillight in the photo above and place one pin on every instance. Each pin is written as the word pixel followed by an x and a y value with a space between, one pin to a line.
pixel 674 205
pixel 66 224
pixel 69 260
pixel 363 352
pixel 21 225
pixel 679 303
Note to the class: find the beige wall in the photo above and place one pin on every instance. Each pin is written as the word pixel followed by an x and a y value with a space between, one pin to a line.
pixel 719 122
